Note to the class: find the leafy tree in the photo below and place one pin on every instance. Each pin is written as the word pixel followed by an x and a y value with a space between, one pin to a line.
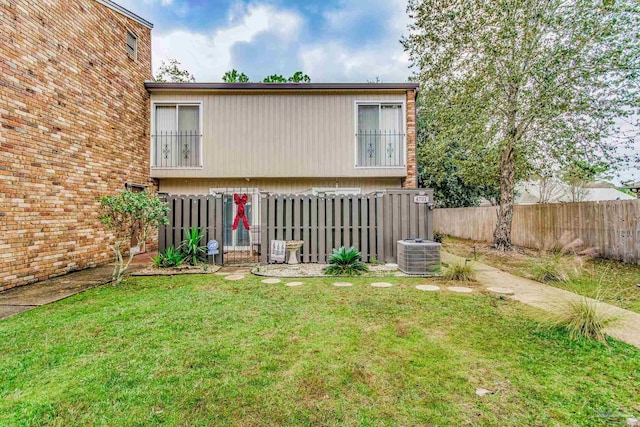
pixel 523 83
pixel 441 166
pixel 299 77
pixel 128 215
pixel 234 76
pixel 171 71
pixel 274 78
pixel 577 175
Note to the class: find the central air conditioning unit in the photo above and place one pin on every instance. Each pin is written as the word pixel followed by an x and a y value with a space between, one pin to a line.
pixel 418 256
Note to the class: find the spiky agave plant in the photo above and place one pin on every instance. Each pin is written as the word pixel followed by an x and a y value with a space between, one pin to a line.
pixel 170 258
pixel 345 262
pixel 191 247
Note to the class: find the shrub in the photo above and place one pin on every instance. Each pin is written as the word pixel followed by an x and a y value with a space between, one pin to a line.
pixel 170 258
pixel 556 268
pixel 584 319
pixel 191 247
pixel 345 262
pixel 460 272
pixel 127 215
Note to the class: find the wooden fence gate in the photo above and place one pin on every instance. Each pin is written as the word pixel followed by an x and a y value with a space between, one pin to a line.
pixel 371 223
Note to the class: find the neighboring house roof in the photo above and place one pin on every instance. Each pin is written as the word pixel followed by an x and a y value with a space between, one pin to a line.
pixel 632 185
pixel 528 193
pixel 125 12
pixel 157 86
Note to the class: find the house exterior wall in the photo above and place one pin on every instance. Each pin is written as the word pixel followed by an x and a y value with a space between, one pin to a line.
pixel 275 185
pixel 270 134
pixel 72 128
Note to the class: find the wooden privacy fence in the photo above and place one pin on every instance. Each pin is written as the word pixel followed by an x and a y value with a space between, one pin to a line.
pixel 612 227
pixel 186 212
pixel 371 223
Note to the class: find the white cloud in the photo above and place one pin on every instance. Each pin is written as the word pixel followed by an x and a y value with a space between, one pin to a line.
pixel 336 62
pixel 208 56
pixel 336 59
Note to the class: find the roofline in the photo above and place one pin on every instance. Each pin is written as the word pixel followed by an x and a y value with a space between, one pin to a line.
pixel 125 12
pixel 157 86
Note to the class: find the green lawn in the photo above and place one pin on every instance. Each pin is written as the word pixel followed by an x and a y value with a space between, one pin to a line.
pixel 197 350
pixel 611 281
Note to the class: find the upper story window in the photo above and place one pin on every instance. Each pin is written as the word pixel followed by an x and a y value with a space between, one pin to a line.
pixel 380 135
pixel 177 137
pixel 132 45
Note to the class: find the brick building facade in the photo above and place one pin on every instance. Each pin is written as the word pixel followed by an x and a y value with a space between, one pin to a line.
pixel 73 127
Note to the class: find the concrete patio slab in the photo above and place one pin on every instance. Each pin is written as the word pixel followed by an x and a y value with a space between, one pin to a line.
pixel 27 297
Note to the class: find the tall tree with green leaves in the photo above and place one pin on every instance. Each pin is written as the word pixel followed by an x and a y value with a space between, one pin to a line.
pixel 171 71
pixel 234 76
pixel 522 83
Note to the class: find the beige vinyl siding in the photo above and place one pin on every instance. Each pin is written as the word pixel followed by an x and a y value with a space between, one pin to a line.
pixel 257 135
pixel 275 185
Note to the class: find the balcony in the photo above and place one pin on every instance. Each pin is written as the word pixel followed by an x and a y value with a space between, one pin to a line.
pixel 176 149
pixel 380 149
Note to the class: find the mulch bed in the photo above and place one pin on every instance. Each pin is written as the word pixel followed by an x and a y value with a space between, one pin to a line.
pixel 175 271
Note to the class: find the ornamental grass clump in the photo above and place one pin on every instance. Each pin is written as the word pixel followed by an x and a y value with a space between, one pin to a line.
pixel 460 272
pixel 555 268
pixel 345 262
pixel 585 319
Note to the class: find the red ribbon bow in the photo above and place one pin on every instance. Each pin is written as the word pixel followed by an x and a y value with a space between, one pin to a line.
pixel 240 201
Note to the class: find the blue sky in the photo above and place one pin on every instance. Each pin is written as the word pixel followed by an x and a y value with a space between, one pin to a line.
pixel 332 40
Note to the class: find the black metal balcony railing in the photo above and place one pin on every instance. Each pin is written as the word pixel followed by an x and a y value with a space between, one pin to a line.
pixel 380 148
pixel 176 149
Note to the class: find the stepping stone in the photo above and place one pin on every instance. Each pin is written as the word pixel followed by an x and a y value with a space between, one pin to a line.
pixel 271 281
pixel 503 291
pixel 342 284
pixel 292 284
pixel 460 289
pixel 483 392
pixel 428 288
pixel 235 277
pixel 381 285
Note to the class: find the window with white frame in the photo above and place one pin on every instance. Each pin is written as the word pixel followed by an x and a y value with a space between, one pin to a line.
pixel 132 45
pixel 176 140
pixel 380 135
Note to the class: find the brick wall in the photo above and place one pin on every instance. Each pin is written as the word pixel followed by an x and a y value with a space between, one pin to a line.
pixel 411 181
pixel 73 126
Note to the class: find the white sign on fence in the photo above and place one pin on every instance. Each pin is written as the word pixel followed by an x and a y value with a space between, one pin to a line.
pixel 421 199
pixel 278 250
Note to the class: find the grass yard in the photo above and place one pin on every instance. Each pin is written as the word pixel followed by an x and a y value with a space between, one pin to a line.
pixel 611 281
pixel 200 351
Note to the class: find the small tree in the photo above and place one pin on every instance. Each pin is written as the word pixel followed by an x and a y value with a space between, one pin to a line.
pixel 234 76
pixel 130 214
pixel 171 71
